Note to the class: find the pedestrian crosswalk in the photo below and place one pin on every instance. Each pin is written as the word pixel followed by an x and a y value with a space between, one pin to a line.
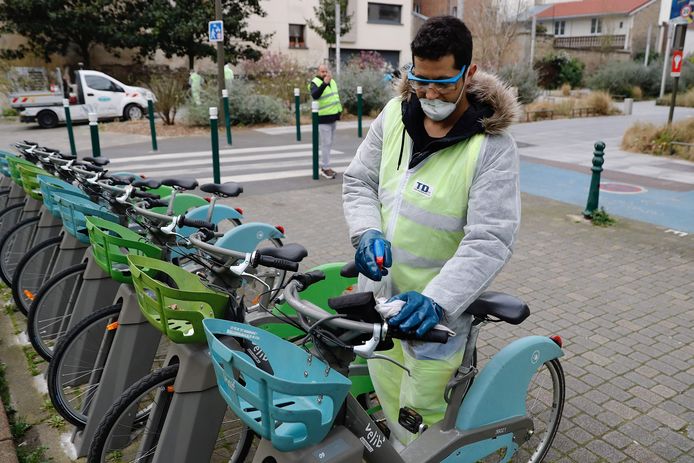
pixel 243 165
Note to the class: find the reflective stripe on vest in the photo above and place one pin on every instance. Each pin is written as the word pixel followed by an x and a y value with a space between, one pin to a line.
pixel 329 101
pixel 424 209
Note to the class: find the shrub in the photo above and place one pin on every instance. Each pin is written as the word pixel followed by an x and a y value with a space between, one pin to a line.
pixel 601 102
pixel 620 77
pixel 376 91
pixel 566 89
pixel 636 92
pixel 370 60
pixel 683 99
pixel 277 75
pixel 557 69
pixel 9 112
pixel 645 137
pixel 245 105
pixel 171 93
pixel 524 78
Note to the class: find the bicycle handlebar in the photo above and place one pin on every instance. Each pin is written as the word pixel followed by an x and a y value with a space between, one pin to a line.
pixel 184 221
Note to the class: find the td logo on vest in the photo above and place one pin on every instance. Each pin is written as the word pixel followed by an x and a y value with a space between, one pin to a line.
pixel 423 189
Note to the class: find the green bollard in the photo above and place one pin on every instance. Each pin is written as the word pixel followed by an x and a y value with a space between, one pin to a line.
pixel 359 110
pixel 94 129
pixel 314 120
pixel 594 192
pixel 215 145
pixel 297 105
pixel 152 128
pixel 227 114
pixel 68 121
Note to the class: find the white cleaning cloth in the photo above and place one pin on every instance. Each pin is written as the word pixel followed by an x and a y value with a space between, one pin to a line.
pixel 391 309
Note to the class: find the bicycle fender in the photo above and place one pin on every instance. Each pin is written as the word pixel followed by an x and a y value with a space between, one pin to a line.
pixel 498 392
pixel 220 212
pixel 246 237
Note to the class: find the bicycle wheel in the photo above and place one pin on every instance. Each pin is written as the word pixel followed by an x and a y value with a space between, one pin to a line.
pixel 127 433
pixel 14 245
pixel 32 272
pixel 544 405
pixel 4 198
pixel 49 314
pixel 9 217
pixel 74 373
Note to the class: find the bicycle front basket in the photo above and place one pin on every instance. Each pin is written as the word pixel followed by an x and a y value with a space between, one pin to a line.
pixel 292 402
pixel 112 243
pixel 175 308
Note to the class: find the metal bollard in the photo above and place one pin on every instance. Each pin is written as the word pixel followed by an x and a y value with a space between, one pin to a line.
pixel 360 104
pixel 94 129
pixel 628 106
pixel 314 120
pixel 297 105
pixel 215 145
pixel 68 121
pixel 594 192
pixel 227 114
pixel 152 128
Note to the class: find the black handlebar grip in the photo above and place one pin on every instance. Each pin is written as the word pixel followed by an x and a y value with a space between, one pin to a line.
pixel 274 262
pixel 157 203
pixel 433 335
pixel 309 278
pixel 145 195
pixel 183 221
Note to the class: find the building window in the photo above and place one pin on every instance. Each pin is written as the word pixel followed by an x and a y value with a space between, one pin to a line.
pixel 384 14
pixel 559 27
pixel 621 24
pixel 417 8
pixel 454 11
pixel 596 26
pixel 296 36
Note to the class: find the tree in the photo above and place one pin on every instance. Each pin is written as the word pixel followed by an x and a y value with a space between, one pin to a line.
pixel 494 28
pixel 180 28
pixel 324 24
pixel 59 26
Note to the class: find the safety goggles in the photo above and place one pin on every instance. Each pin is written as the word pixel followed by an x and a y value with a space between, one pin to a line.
pixel 440 85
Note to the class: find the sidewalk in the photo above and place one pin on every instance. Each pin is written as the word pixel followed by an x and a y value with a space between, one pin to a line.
pixel 7 452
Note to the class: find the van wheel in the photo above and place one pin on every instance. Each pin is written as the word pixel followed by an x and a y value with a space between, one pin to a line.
pixel 133 112
pixel 47 119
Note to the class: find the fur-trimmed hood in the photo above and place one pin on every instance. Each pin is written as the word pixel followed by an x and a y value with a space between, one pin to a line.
pixel 489 90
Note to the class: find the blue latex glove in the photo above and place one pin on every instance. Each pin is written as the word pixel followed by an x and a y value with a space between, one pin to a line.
pixel 373 249
pixel 419 314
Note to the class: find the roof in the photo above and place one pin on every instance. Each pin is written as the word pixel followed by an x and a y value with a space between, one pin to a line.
pixel 592 8
pixel 532 11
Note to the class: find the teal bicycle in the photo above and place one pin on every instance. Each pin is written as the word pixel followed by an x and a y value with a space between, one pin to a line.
pixel 298 401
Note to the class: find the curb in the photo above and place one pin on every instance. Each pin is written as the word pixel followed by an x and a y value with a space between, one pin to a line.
pixel 8 453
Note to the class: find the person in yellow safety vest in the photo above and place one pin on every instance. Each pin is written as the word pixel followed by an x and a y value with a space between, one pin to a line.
pixel 432 201
pixel 324 89
pixel 228 76
pixel 195 82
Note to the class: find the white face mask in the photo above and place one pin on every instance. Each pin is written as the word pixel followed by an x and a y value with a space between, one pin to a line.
pixel 438 110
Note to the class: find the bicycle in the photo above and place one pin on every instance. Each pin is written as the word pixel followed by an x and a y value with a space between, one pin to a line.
pixel 302 410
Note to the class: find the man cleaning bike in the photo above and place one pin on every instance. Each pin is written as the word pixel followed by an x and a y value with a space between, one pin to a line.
pixel 432 202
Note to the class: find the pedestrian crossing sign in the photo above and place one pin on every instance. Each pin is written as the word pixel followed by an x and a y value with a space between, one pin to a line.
pixel 215 31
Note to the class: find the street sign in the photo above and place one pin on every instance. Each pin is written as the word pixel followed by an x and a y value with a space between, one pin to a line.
pixel 677 59
pixel 682 11
pixel 215 31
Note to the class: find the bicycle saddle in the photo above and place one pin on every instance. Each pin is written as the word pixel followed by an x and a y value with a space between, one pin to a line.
pixel 64 156
pixel 97 161
pixel 293 252
pixel 119 179
pixel 88 166
pixel 225 190
pixel 503 306
pixel 182 183
pixel 146 183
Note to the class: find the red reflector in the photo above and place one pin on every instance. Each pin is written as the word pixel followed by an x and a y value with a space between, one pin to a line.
pixel 14 100
pixel 112 326
pixel 207 198
pixel 557 339
pixel 280 228
pixel 239 210
pixel 143 176
pixel 72 100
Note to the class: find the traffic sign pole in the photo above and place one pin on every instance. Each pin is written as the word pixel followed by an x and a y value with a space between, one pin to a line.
pixel 677 62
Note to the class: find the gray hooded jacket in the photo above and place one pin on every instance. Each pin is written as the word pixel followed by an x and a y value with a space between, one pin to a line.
pixel 493 215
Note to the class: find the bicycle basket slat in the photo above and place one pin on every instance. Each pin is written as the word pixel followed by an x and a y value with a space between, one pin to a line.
pixel 176 312
pixel 12 163
pixel 295 405
pixel 111 245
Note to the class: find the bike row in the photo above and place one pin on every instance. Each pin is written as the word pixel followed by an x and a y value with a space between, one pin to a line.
pixel 170 340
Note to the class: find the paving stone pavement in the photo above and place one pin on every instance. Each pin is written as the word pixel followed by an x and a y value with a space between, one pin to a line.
pixel 622 298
